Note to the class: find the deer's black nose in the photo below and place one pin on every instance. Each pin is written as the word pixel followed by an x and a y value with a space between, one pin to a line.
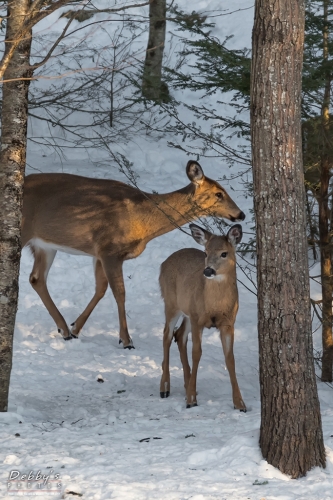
pixel 209 272
pixel 241 216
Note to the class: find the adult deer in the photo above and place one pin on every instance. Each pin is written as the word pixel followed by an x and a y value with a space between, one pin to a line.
pixel 110 221
pixel 203 287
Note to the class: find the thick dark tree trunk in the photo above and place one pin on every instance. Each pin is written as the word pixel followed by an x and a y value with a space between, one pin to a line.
pixel 152 85
pixel 324 220
pixel 12 166
pixel 290 434
pixel 326 271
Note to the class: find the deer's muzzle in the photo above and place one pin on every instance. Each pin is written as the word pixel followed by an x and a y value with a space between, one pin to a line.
pixel 209 272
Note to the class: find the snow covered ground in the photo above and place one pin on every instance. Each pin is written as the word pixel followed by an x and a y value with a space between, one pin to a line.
pixel 118 439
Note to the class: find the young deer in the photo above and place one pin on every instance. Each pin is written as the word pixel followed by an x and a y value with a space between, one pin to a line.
pixel 201 286
pixel 111 222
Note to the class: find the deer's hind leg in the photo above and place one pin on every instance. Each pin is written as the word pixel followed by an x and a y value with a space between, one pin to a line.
pixel 181 337
pixel 171 317
pixel 43 261
pixel 101 287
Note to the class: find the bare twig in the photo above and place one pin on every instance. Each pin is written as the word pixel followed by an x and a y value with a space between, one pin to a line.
pixel 34 16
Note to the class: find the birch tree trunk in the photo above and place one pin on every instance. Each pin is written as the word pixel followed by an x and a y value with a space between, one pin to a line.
pixel 12 166
pixel 290 434
pixel 152 86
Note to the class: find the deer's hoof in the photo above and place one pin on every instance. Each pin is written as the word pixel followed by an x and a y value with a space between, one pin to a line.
pixel 244 410
pixel 74 333
pixel 165 394
pixel 60 330
pixel 192 405
pixel 129 346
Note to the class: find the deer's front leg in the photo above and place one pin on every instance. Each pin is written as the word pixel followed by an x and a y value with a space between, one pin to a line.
pixel 191 392
pixel 113 269
pixel 227 337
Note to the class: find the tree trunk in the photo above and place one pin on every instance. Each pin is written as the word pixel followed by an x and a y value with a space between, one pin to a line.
pixel 12 166
pixel 324 219
pixel 290 434
pixel 152 86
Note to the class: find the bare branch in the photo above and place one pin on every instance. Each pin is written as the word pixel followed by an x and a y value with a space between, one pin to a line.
pixel 68 73
pixel 35 16
pixel 56 43
pixel 110 11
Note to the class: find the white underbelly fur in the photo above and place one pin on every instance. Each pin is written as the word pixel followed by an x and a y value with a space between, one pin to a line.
pixel 43 245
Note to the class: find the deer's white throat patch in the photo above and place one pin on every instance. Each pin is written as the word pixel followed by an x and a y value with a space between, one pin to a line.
pixel 216 277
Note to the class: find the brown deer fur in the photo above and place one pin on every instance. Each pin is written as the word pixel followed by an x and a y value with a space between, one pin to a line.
pixel 203 287
pixel 110 221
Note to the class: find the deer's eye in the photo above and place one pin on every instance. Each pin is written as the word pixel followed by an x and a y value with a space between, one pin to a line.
pixel 219 195
pixel 224 254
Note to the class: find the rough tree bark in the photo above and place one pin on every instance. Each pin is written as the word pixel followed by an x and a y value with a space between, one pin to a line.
pixel 12 166
pixel 290 434
pixel 152 85
pixel 324 218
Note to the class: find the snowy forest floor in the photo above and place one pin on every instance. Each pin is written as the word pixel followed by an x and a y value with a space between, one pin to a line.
pixel 118 439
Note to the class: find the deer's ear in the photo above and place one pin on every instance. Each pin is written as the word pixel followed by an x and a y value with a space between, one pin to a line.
pixel 200 235
pixel 235 234
pixel 194 172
